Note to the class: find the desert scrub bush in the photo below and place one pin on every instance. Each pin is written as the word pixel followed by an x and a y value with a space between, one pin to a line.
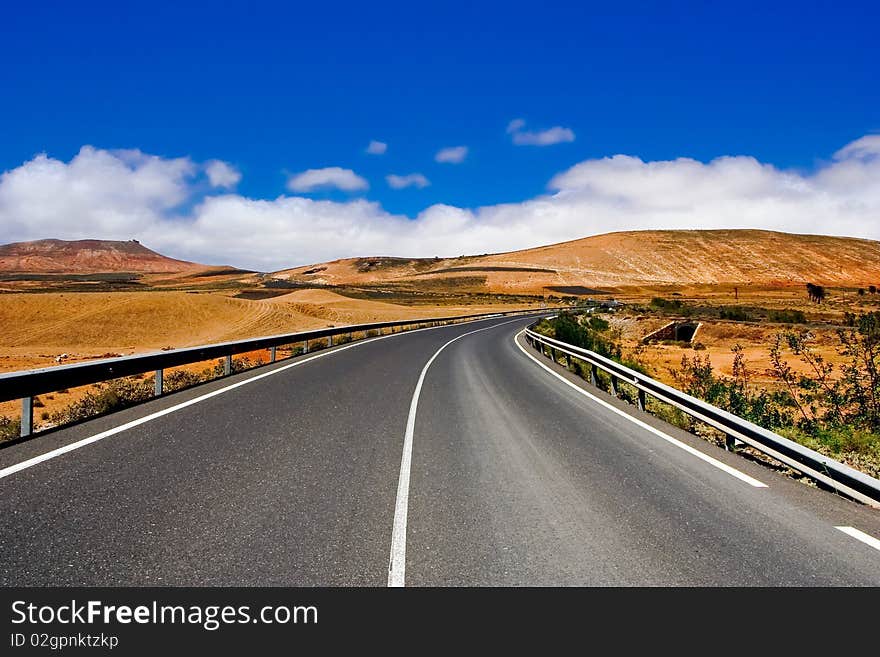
pixel 828 396
pixel 737 394
pixel 735 314
pixel 834 410
pixel 671 307
pixel 855 447
pixel 238 365
pixel 9 428
pixel 787 317
pixel 180 379
pixel 665 304
pixel 107 397
pixel 669 414
pixel 593 333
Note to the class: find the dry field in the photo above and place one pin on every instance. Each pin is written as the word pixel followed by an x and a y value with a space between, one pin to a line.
pixel 35 328
pixel 617 261
pixel 719 337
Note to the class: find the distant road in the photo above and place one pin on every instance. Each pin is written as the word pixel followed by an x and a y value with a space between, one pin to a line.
pixel 455 453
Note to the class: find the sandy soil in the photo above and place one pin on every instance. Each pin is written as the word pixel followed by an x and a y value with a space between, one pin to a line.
pixel 36 328
pixel 724 257
pixel 719 337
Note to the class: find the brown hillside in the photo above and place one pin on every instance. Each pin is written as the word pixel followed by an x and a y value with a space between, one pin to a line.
pixel 88 256
pixel 639 258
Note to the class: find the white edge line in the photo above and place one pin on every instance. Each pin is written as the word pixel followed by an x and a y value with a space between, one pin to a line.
pixel 674 441
pixel 28 463
pixel 867 539
pixel 397 559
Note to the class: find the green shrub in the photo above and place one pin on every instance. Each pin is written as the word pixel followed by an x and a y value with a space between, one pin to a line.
pixel 111 396
pixel 787 317
pixel 666 304
pixel 9 428
pixel 735 314
pixel 180 379
pixel 593 336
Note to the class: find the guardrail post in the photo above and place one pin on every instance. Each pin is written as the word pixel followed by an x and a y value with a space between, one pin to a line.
pixel 568 361
pixel 305 346
pixel 27 417
pixel 642 400
pixel 594 375
pixel 272 354
pixel 329 340
pixel 614 385
pixel 227 365
pixel 159 383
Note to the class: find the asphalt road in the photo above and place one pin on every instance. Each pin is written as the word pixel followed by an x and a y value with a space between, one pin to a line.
pixel 295 476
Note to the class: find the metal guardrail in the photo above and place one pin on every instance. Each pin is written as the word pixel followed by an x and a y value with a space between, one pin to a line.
pixel 28 384
pixel 842 478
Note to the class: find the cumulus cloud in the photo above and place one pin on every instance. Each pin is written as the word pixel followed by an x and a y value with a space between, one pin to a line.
pixel 129 194
pixel 555 135
pixel 222 174
pixel 867 146
pixel 452 155
pixel 377 147
pixel 411 180
pixel 97 193
pixel 327 178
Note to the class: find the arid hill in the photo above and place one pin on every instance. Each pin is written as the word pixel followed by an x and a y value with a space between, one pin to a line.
pixel 88 256
pixel 614 260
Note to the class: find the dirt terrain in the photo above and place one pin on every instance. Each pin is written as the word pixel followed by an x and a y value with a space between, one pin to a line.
pixel 617 262
pixel 37 328
pixel 717 337
pixel 87 256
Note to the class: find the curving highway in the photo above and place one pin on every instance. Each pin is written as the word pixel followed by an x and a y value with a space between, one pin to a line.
pixel 445 456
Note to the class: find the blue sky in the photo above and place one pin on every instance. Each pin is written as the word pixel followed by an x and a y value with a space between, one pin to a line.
pixel 279 88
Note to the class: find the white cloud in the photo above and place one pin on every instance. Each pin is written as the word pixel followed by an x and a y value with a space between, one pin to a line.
pixel 554 135
pixel 98 192
pixel 452 155
pixel 222 174
pixel 128 194
pixel 411 180
pixel 329 177
pixel 867 146
pixel 377 147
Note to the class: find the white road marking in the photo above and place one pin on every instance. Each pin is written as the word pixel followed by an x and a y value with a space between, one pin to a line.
pixel 867 539
pixel 397 560
pixel 690 450
pixel 29 463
